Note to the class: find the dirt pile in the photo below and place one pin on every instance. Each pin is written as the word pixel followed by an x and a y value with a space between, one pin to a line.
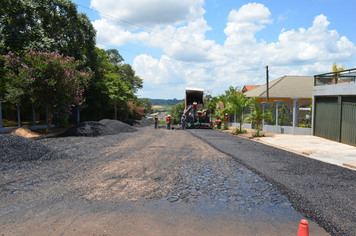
pixel 17 148
pixel 118 126
pixel 23 132
pixel 88 129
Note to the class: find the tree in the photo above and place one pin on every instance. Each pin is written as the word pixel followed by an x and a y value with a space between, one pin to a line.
pixel 336 68
pixel 117 90
pixel 257 115
pixel 146 104
pixel 114 56
pixel 239 103
pixel 46 25
pixel 135 111
pixel 128 75
pixel 49 79
pixel 176 112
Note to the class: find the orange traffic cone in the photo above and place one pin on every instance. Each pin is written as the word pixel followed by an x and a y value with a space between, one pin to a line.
pixel 303 228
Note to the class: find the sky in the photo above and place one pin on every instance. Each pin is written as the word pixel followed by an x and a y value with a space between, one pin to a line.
pixel 215 44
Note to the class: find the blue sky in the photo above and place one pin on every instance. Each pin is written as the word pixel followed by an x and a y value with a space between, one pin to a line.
pixel 212 44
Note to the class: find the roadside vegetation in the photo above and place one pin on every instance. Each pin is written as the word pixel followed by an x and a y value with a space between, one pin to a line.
pixel 233 101
pixel 50 60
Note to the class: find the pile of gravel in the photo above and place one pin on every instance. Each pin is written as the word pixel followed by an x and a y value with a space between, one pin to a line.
pixel 144 123
pixel 131 122
pixel 16 148
pixel 88 129
pixel 118 126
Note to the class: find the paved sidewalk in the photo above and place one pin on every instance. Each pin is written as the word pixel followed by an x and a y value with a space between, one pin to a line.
pixel 308 145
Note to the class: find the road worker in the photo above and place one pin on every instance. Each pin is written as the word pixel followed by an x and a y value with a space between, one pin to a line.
pixel 168 122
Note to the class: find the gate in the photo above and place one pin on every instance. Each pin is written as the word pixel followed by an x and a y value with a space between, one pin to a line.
pixel 327 118
pixel 348 123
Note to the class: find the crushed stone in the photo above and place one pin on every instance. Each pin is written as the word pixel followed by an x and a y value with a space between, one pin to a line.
pixel 88 129
pixel 144 123
pixel 131 122
pixel 118 126
pixel 14 148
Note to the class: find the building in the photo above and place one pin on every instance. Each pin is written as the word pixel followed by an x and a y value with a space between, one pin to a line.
pixel 334 106
pixel 290 98
pixel 248 88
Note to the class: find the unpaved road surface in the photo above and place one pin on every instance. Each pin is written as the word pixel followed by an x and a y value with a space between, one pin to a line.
pixel 150 182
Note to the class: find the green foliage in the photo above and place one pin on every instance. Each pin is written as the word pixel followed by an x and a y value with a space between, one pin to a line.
pixel 47 25
pixel 284 116
pixel 239 131
pixel 112 88
pixel 225 126
pixel 49 79
pixel 257 115
pixel 114 56
pixel 146 104
pixel 135 111
pixel 176 112
pixel 128 75
pixel 335 67
pixel 56 26
pixel 239 103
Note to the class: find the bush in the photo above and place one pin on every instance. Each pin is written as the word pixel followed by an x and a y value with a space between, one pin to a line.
pixel 238 131
pixel 225 126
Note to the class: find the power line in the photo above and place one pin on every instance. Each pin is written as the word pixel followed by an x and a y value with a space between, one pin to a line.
pixel 166 59
pixel 173 38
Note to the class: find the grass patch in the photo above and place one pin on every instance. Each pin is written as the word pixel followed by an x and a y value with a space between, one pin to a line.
pixel 237 131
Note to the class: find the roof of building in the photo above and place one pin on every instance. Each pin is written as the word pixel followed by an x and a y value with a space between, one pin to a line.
pixel 287 86
pixel 249 87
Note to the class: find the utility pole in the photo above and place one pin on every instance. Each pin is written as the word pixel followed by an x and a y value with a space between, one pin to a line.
pixel 267 84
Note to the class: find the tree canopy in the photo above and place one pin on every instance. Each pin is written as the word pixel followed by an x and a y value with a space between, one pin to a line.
pixel 49 79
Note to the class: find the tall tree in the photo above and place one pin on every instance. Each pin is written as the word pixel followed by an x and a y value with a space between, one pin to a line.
pixel 146 104
pixel 49 79
pixel 118 92
pixel 46 25
pixel 114 56
pixel 128 74
pixel 176 112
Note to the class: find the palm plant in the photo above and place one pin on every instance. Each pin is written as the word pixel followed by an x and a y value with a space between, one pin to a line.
pixel 257 115
pixel 239 104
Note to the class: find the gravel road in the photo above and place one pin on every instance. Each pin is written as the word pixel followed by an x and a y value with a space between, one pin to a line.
pixel 149 182
pixel 323 192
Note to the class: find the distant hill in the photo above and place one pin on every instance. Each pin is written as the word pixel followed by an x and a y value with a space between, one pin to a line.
pixel 170 102
pixel 163 105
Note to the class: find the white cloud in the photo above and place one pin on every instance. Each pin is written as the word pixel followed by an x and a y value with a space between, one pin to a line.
pixel 315 44
pixel 252 12
pixel 151 13
pixel 303 51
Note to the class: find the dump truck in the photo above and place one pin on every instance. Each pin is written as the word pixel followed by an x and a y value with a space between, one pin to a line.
pixel 195 114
